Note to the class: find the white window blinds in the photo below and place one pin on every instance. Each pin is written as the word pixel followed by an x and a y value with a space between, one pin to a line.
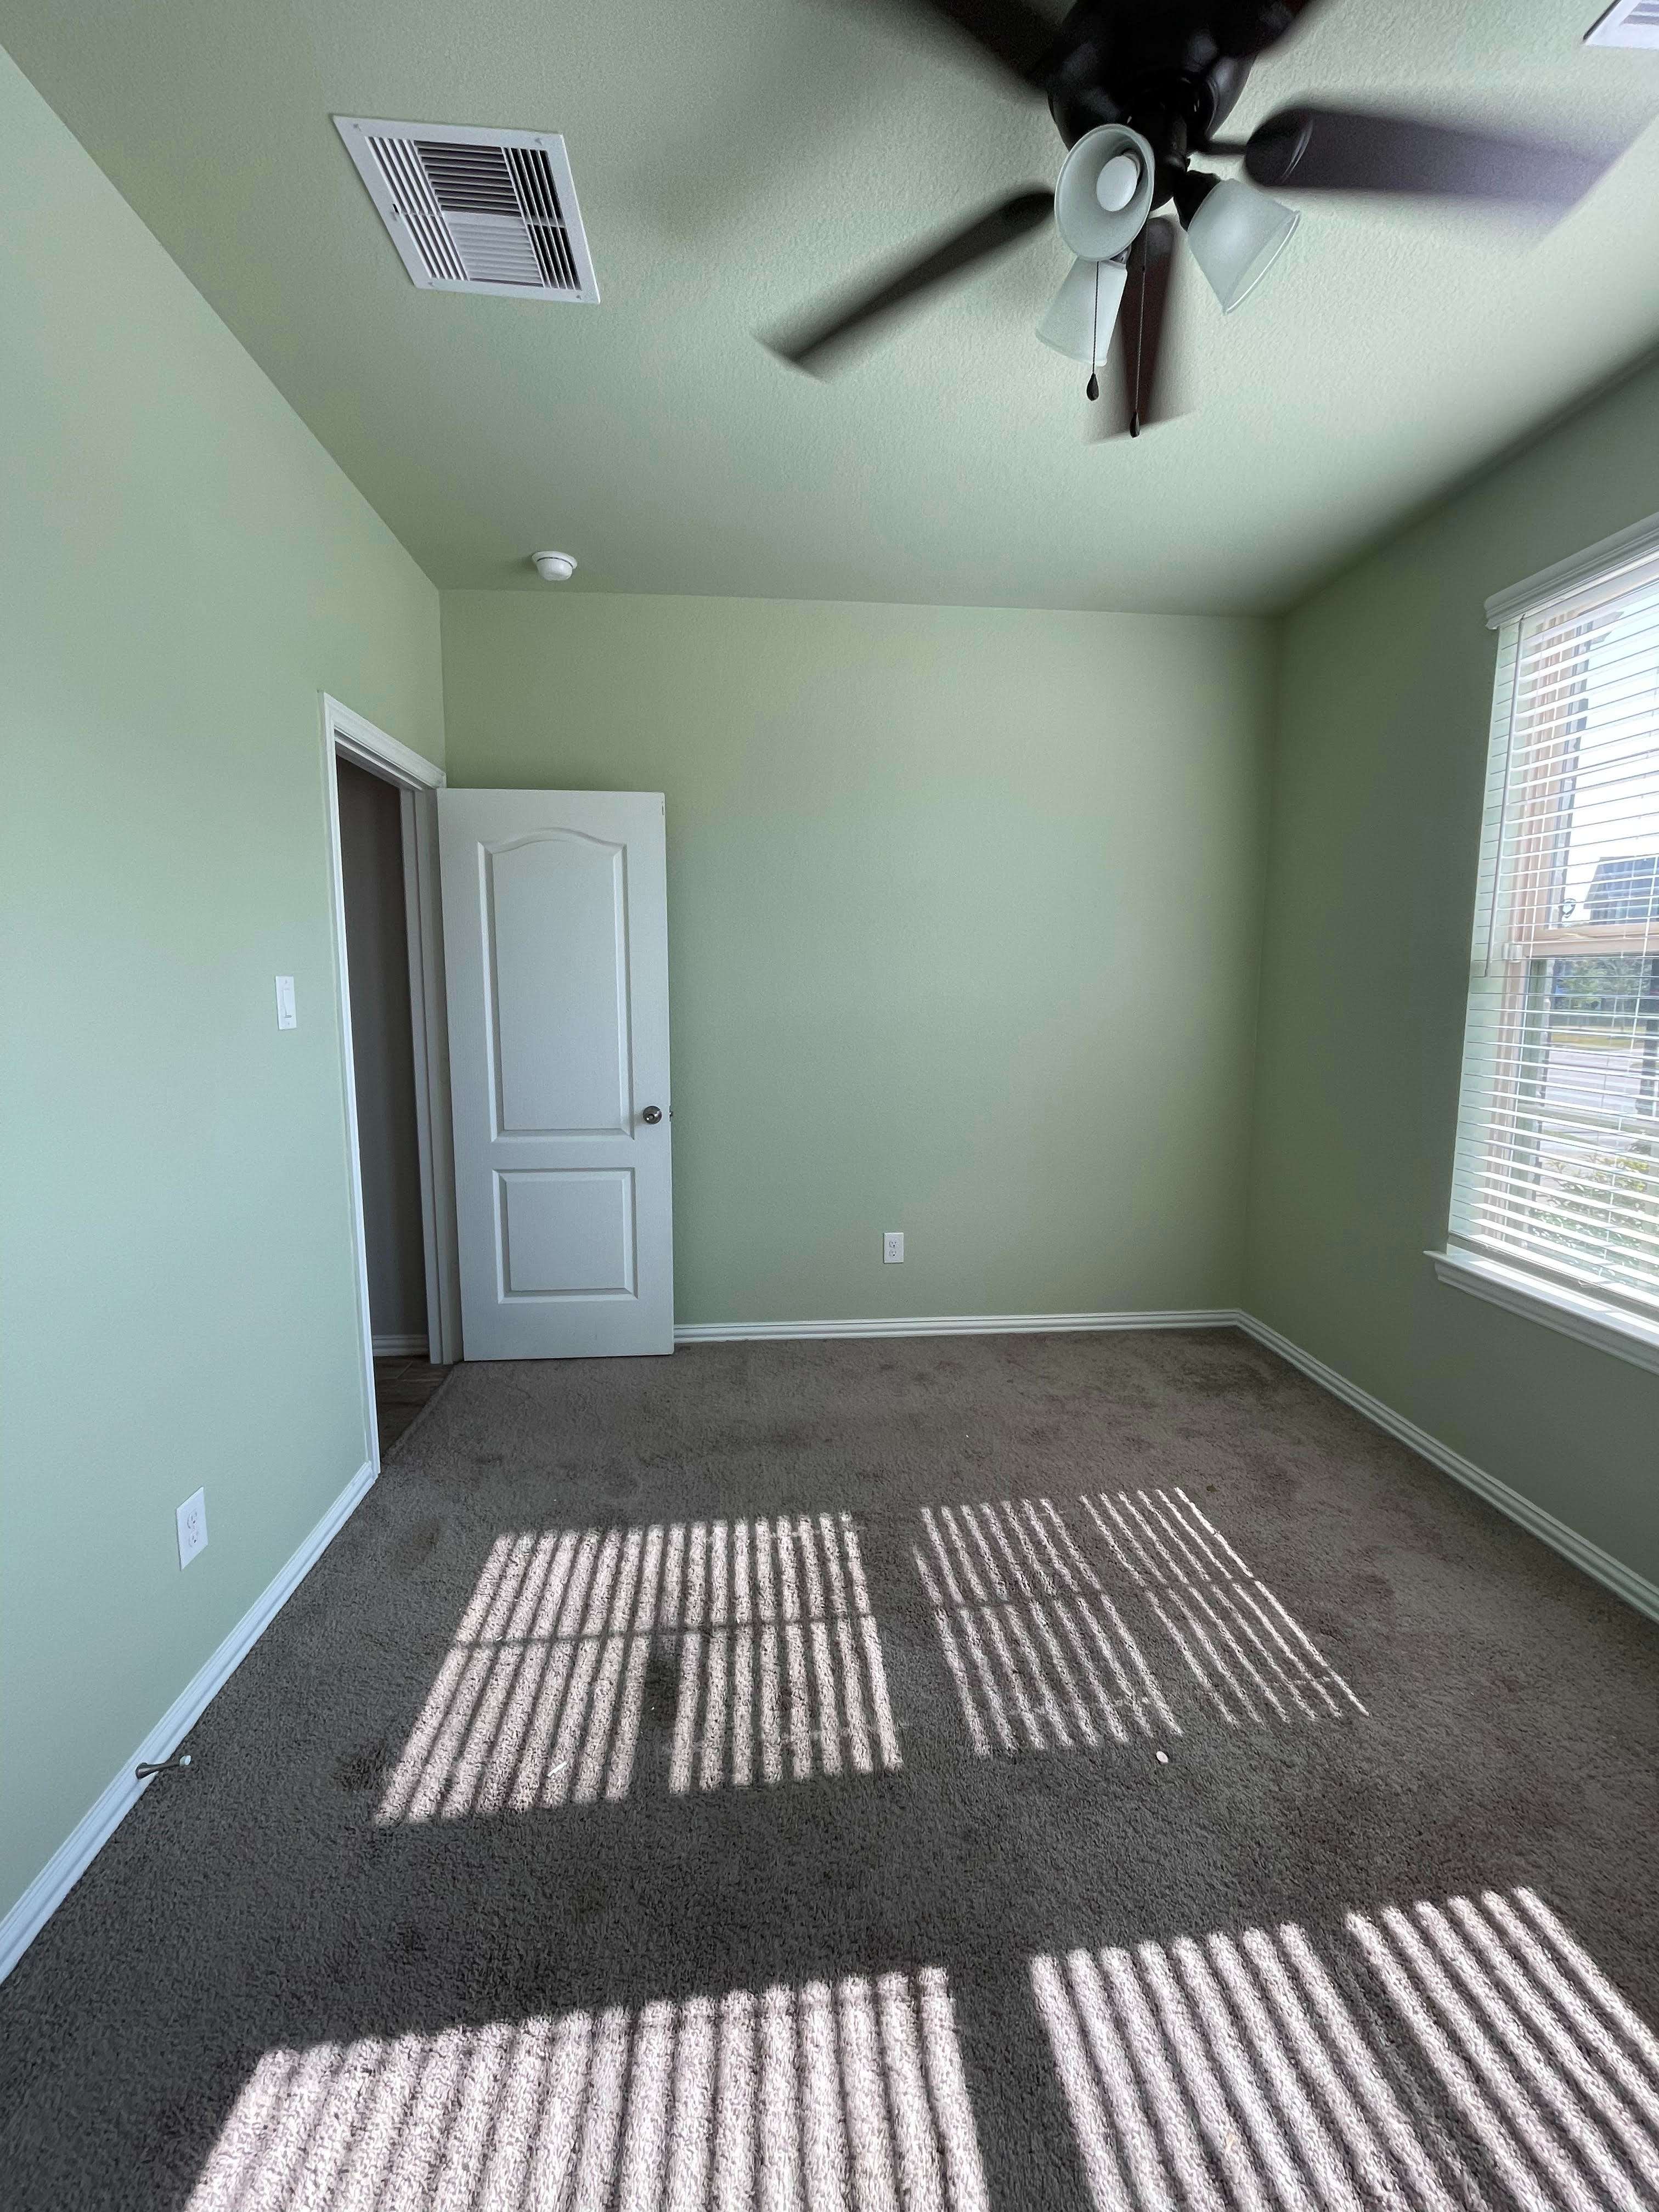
pixel 1557 1142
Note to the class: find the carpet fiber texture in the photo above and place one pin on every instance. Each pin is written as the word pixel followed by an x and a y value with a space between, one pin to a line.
pixel 1018 1771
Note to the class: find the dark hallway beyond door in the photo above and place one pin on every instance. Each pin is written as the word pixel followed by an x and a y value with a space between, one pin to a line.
pixel 383 1060
pixel 402 1387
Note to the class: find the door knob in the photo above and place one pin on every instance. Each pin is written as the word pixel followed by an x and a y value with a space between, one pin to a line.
pixel 652 1115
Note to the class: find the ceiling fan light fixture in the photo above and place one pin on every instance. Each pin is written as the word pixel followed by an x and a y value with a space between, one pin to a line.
pixel 1237 233
pixel 1105 191
pixel 1080 320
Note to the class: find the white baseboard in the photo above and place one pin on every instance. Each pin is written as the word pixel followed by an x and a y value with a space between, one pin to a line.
pixel 754 1332
pixel 401 1348
pixel 1634 1588
pixel 88 1838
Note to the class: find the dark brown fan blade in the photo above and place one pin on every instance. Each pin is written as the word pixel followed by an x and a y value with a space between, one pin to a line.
pixel 1343 149
pixel 807 344
pixel 1140 325
pixel 1020 37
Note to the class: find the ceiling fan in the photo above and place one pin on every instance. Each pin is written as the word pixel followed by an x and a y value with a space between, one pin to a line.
pixel 1136 88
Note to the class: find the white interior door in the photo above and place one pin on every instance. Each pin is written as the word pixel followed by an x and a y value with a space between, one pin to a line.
pixel 556 942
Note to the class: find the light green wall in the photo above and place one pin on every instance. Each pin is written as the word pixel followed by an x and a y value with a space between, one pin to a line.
pixel 962 931
pixel 1386 706
pixel 182 572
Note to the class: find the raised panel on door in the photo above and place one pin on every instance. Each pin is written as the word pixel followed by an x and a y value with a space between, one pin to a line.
pixel 556 940
pixel 565 1232
pixel 555 912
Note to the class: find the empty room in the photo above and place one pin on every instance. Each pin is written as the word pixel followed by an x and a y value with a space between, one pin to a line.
pixel 829 1155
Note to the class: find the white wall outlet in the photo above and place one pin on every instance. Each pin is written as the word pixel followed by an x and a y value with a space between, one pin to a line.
pixel 286 1017
pixel 892 1244
pixel 193 1528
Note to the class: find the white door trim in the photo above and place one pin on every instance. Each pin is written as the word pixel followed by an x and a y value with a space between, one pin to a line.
pixel 349 735
pixel 359 740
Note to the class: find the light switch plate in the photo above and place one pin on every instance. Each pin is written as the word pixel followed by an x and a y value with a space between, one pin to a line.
pixel 193 1528
pixel 286 1017
pixel 892 1244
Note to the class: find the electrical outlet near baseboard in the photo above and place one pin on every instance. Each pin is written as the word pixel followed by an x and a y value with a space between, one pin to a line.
pixel 193 1528
pixel 892 1244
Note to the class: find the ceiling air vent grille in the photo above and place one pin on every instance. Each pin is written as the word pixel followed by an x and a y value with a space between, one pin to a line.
pixel 1627 23
pixel 476 211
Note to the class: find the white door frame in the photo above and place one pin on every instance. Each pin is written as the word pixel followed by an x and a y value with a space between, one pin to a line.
pixel 349 736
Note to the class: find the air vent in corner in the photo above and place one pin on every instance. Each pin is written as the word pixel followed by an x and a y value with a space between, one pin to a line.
pixel 476 211
pixel 1627 23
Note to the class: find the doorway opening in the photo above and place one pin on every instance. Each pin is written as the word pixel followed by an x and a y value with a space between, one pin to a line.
pixel 381 801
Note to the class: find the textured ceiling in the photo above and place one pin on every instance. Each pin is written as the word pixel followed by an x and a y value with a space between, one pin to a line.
pixel 732 157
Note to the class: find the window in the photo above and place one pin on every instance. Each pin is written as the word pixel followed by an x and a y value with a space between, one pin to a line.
pixel 1557 1173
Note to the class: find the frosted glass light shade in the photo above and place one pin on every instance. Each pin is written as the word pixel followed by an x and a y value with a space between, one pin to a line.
pixel 1075 325
pixel 1236 234
pixel 1093 227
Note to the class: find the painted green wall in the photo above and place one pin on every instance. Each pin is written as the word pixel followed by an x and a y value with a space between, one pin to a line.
pixel 1386 707
pixel 182 572
pixel 962 931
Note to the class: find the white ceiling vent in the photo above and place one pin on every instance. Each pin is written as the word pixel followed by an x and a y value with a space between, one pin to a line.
pixel 476 211
pixel 1627 23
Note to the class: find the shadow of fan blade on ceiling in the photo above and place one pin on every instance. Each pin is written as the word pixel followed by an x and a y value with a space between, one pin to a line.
pixel 1143 383
pixel 813 343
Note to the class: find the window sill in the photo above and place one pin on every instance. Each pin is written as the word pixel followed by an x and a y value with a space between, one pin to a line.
pixel 1575 1313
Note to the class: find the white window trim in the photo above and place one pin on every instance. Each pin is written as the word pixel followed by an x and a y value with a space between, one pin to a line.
pixel 1509 606
pixel 1574 1313
pixel 1598 1321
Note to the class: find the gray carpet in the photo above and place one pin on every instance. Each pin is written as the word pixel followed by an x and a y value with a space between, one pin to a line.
pixel 1012 1772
